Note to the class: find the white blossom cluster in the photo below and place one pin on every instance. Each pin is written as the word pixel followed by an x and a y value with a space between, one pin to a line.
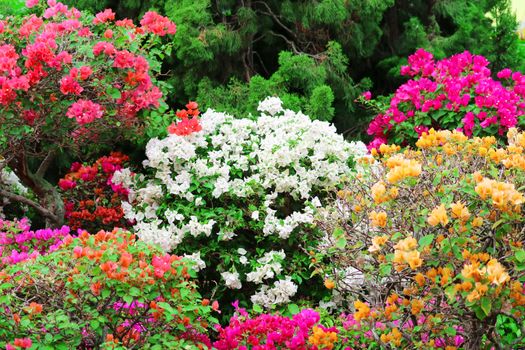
pixel 281 154
pixel 280 293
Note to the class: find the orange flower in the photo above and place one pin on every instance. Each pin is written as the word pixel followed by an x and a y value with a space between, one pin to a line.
pixel 329 284
pixel 459 211
pixel 417 306
pixel 378 218
pixel 362 310
pixel 438 216
pixel 377 243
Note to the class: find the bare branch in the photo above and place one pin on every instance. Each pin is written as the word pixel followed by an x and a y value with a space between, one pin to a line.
pixel 41 210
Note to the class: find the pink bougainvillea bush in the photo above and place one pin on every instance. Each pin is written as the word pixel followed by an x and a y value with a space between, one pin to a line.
pixel 71 81
pixel 91 199
pixel 302 331
pixel 459 92
pixel 19 243
pixel 102 291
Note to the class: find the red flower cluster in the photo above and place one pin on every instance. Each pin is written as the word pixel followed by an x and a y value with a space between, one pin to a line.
pixel 154 23
pixel 91 200
pixel 186 125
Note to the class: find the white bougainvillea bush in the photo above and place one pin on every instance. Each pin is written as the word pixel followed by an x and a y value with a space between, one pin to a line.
pixel 239 196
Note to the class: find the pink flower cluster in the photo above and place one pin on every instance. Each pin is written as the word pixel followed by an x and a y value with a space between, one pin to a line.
pixel 19 243
pixel 154 23
pixel 457 92
pixel 43 46
pixel 267 331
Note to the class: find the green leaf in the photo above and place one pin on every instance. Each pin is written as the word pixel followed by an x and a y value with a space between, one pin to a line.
pixel 486 305
pixel 257 308
pixel 426 240
pixel 293 309
pixel 520 255
pixel 340 243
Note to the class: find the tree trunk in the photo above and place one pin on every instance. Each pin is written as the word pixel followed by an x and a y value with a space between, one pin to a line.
pixel 49 199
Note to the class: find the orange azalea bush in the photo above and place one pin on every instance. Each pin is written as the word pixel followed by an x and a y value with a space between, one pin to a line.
pixel 426 245
pixel 104 291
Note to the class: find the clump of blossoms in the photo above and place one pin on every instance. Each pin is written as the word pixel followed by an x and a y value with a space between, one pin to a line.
pixel 426 245
pixel 454 93
pixel 91 200
pixel 73 82
pixel 107 291
pixel 239 197
pixel 19 243
pixel 267 331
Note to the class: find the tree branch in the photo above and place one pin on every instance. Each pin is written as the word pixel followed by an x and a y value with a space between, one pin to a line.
pixel 41 210
pixel 45 163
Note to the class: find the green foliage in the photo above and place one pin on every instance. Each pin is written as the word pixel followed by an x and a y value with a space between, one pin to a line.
pixel 94 289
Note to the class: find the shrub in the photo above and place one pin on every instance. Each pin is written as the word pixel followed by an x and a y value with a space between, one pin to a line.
pixel 239 197
pixel 19 243
pixel 454 93
pixel 102 291
pixel 426 245
pixel 72 82
pixel 91 200
pixel 267 331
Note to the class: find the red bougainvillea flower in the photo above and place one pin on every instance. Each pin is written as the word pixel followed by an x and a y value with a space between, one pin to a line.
pixel 186 125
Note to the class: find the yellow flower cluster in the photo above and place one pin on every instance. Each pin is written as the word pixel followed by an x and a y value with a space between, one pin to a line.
pixel 377 243
pixel 362 310
pixel 406 253
pixel 503 195
pixel 493 272
pixel 393 336
pixel 378 219
pixel 401 168
pixel 438 216
pixel 323 339
pixel 434 138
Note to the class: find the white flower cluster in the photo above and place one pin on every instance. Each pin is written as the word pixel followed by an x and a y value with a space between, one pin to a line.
pixel 280 156
pixel 280 293
pixel 270 266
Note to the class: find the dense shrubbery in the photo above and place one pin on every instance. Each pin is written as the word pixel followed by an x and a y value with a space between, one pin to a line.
pixel 91 200
pixel 303 239
pixel 73 82
pixel 239 197
pixel 426 244
pixel 454 93
pixel 103 290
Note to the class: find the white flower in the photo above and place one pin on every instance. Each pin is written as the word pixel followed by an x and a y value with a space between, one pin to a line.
pixel 243 260
pixel 272 105
pixel 255 215
pixel 232 280
pixel 280 293
pixel 196 258
pixel 241 251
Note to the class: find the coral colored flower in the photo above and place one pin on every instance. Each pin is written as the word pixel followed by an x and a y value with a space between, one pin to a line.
pixel 85 111
pixel 159 25
pixel 32 3
pixel 104 16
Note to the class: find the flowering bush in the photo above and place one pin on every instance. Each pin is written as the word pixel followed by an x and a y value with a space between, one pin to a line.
pixel 70 81
pixel 454 93
pixel 102 291
pixel 91 200
pixel 18 242
pixel 266 331
pixel 427 244
pixel 239 198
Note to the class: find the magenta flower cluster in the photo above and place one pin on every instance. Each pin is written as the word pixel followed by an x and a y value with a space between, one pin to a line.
pixel 266 331
pixel 454 93
pixel 19 243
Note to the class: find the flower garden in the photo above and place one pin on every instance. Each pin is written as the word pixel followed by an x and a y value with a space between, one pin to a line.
pixel 132 221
